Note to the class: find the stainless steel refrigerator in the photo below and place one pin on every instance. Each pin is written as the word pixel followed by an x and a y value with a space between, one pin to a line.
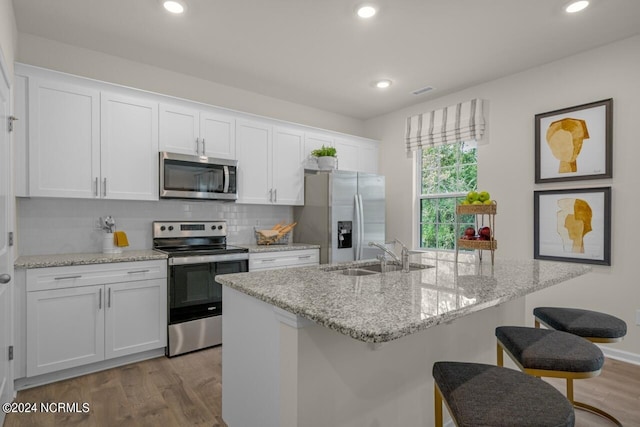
pixel 343 211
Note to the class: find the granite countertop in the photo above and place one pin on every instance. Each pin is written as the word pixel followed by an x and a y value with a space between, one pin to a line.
pixel 60 260
pixel 277 248
pixel 383 307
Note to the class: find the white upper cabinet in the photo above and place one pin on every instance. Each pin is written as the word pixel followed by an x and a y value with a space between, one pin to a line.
pixel 129 147
pixel 270 169
pixel 253 148
pixel 84 142
pixel 197 132
pixel 64 139
pixel 288 168
pixel 354 155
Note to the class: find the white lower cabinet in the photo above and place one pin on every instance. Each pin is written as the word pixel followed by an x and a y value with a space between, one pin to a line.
pixel 283 259
pixel 72 322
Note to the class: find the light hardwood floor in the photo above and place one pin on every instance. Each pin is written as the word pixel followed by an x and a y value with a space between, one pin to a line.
pixel 186 391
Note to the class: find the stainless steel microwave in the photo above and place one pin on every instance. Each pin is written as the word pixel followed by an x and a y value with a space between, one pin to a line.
pixel 197 177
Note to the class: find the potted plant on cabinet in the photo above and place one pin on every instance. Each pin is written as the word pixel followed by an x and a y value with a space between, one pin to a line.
pixel 326 157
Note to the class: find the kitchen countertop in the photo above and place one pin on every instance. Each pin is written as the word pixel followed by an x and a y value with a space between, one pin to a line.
pixel 383 307
pixel 60 260
pixel 277 248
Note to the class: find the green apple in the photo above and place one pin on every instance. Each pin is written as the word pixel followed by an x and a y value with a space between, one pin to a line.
pixel 472 196
pixel 484 196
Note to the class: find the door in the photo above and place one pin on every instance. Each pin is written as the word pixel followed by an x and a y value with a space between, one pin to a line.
pixel 64 139
pixel 179 130
pixel 343 192
pixel 136 317
pixel 371 191
pixel 6 261
pixel 65 328
pixel 218 135
pixel 129 148
pixel 254 163
pixel 288 170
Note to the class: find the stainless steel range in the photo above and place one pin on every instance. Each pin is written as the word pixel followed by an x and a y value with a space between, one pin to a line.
pixel 197 252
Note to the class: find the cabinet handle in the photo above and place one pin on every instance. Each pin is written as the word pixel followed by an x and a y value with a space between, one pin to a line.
pixel 138 271
pixel 104 188
pixel 304 257
pixel 67 277
pixel 109 299
pixel 95 189
pixel 100 300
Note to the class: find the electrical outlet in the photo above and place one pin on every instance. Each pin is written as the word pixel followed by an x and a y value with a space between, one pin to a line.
pixel 638 317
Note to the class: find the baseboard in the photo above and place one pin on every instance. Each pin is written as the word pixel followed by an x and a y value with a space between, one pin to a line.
pixel 25 383
pixel 623 356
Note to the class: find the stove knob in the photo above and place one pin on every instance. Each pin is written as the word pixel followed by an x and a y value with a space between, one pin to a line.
pixel 171 228
pixel 219 227
pixel 162 228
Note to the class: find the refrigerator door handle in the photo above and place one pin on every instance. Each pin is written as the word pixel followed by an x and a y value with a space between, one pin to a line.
pixel 356 255
pixel 361 226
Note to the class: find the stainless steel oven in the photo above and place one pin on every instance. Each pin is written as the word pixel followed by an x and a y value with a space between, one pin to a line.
pixel 197 177
pixel 197 253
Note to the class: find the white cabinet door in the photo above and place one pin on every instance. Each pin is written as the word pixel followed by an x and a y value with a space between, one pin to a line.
pixel 135 317
pixel 253 149
pixel 288 168
pixel 64 139
pixel 129 147
pixel 217 135
pixel 65 328
pixel 348 155
pixel 179 129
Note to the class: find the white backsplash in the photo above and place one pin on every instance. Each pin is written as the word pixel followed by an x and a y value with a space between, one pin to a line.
pixel 50 226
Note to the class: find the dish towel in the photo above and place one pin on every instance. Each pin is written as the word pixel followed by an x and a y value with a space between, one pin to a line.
pixel 120 239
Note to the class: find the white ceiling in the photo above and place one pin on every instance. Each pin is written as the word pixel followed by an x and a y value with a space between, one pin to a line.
pixel 318 53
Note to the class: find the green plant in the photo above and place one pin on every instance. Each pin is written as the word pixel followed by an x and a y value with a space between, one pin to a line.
pixel 324 152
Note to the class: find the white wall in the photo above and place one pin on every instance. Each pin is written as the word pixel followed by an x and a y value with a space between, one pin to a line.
pixel 50 54
pixel 506 169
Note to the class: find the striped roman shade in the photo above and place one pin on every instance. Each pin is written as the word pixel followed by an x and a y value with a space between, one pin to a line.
pixel 460 122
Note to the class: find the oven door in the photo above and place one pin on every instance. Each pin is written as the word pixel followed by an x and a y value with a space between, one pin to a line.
pixel 193 291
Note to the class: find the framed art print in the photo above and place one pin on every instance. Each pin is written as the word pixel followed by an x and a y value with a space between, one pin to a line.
pixel 573 225
pixel 574 143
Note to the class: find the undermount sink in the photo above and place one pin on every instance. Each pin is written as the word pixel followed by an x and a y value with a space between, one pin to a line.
pixel 356 272
pixel 367 270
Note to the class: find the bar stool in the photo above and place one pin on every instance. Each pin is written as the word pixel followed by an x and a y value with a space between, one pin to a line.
pixel 487 395
pixel 591 325
pixel 551 353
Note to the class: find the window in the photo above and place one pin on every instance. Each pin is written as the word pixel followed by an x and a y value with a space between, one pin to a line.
pixel 446 174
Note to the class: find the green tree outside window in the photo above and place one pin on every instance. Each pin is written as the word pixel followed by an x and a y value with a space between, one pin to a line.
pixel 447 174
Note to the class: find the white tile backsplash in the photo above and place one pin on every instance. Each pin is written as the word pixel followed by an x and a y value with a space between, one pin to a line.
pixel 51 226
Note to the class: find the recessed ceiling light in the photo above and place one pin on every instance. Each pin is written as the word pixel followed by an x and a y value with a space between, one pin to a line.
pixel 366 11
pixel 576 6
pixel 383 84
pixel 174 6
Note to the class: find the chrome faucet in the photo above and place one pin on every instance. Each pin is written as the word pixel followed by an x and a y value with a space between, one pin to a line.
pixel 403 260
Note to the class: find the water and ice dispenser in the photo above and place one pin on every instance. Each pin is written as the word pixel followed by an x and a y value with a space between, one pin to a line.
pixel 344 234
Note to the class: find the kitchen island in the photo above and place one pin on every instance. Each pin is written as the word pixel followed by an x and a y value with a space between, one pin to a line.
pixel 316 347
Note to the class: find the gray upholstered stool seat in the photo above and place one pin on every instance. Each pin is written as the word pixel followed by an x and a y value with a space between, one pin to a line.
pixel 551 353
pixel 592 325
pixel 487 395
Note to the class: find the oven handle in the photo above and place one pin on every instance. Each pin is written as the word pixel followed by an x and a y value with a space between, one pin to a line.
pixel 203 259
